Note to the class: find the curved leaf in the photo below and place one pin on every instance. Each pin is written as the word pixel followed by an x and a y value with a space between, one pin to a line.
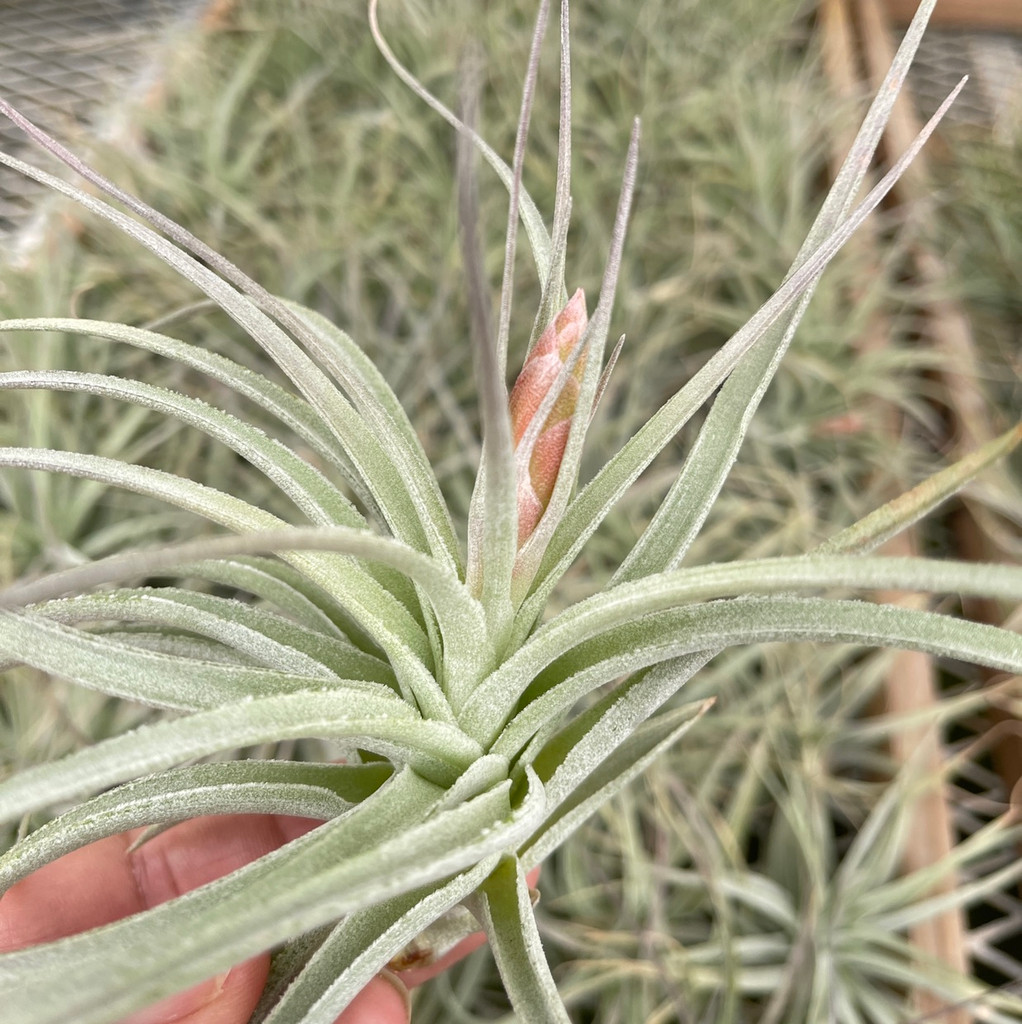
pixel 585 513
pixel 467 650
pixel 588 777
pixel 380 722
pixel 363 944
pixel 504 908
pixel 310 491
pixel 259 634
pixel 375 609
pixel 681 514
pixel 293 412
pixel 366 449
pixel 594 343
pixel 538 735
pixel 104 974
pixel 378 850
pixel 885 522
pixel 161 680
pixel 282 586
pixel 659 636
pixel 375 400
pixel 531 218
pixel 610 610
pixel 232 787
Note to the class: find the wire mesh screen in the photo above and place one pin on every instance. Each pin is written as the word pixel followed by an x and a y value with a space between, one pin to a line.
pixel 993 97
pixel 978 795
pixel 64 63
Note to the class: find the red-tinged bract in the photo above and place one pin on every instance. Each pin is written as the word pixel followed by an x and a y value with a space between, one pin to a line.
pixel 539 374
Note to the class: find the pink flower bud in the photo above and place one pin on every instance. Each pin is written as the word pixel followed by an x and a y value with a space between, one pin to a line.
pixel 538 376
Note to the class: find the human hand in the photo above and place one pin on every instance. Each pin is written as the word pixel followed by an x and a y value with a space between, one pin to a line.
pixel 106 881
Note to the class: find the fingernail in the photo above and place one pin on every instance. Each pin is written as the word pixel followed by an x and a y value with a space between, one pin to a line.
pixel 181 1006
pixel 402 990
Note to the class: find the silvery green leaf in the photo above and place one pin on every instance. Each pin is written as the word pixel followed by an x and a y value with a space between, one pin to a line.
pixel 515 188
pixel 374 608
pixel 283 587
pixel 504 907
pixel 377 720
pixel 293 412
pixel 684 509
pixel 554 295
pixel 285 963
pixel 602 618
pixel 122 670
pixel 187 494
pixel 581 793
pixel 379 849
pixel 365 942
pixel 535 228
pixel 171 645
pixel 593 343
pixel 553 746
pixel 885 522
pixel 585 513
pixel 467 649
pixel 658 636
pixel 493 516
pixel 261 635
pixel 233 787
pixel 376 402
pixel 310 491
pixel 102 975
pixel 366 449
pixel 484 773
pixel 245 302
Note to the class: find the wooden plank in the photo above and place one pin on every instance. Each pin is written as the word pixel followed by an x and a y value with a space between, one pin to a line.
pixel 976 14
pixel 911 685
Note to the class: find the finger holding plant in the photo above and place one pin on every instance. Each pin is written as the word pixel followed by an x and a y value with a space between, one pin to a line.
pixel 439 670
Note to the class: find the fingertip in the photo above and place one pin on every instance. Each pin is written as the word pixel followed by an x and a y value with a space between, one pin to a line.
pixel 89 887
pixel 228 998
pixel 384 1000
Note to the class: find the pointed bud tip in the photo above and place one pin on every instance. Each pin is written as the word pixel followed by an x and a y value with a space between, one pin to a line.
pixel 542 368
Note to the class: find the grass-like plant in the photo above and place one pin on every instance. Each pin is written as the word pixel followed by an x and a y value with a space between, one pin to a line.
pixel 455 696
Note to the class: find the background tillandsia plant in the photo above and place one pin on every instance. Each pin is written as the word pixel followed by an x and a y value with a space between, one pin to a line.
pixel 375 630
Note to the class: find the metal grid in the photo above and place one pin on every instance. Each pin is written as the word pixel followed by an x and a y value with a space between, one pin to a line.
pixel 64 64
pixel 993 97
pixel 979 795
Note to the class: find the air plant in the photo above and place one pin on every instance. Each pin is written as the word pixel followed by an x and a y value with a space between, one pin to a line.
pixel 363 622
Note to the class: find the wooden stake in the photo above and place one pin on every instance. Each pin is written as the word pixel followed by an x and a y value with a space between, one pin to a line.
pixel 976 14
pixel 910 686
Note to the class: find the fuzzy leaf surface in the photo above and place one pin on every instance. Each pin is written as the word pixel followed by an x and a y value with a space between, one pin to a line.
pixel 619 625
pixel 372 853
pixel 686 505
pixel 235 787
pixel 289 409
pixel 585 513
pixel 132 672
pixel 504 907
pixel 257 633
pixel 583 792
pixel 365 942
pixel 383 723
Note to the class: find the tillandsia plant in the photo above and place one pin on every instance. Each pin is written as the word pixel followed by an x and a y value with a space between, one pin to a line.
pixel 453 693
